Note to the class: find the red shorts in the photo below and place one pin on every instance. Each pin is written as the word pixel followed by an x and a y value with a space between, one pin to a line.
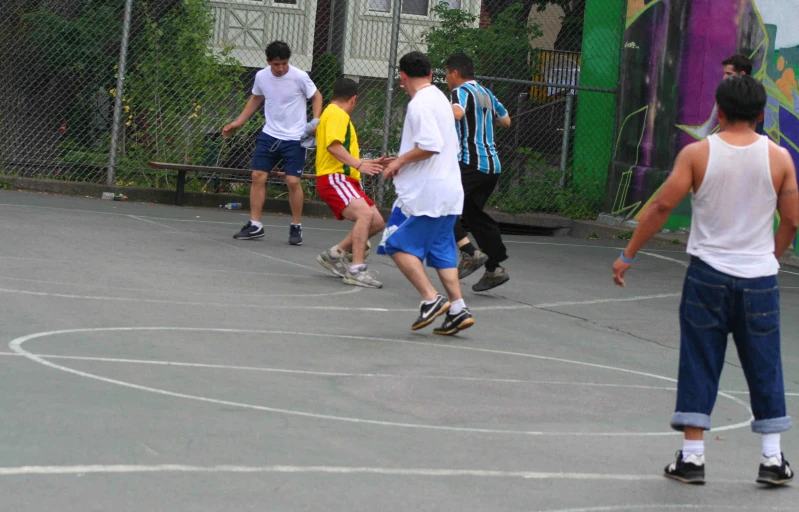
pixel 338 191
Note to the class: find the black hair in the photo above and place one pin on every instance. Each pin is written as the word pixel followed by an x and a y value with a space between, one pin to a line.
pixel 740 63
pixel 415 65
pixel 344 89
pixel 741 98
pixel 278 50
pixel 461 63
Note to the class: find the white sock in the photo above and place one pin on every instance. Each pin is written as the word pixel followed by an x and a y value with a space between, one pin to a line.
pixel 456 307
pixel 771 446
pixel 337 252
pixel 356 268
pixel 692 448
pixel 256 223
pixel 428 302
pixel 298 225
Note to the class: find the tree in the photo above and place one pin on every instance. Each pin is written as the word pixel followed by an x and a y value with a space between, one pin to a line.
pixel 501 49
pixel 55 58
pixel 570 36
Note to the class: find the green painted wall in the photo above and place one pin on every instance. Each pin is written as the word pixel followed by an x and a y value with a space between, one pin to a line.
pixel 595 121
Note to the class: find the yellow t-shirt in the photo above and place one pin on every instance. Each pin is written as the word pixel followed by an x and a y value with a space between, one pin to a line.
pixel 335 126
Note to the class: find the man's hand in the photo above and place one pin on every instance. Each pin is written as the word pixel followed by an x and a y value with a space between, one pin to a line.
pixel 392 168
pixel 384 160
pixel 619 269
pixel 370 167
pixel 231 128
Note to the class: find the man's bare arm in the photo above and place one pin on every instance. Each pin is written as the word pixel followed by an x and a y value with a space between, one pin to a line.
pixel 504 121
pixel 417 154
pixel 671 194
pixel 458 112
pixel 655 215
pixel 368 167
pixel 316 106
pixel 787 206
pixel 249 109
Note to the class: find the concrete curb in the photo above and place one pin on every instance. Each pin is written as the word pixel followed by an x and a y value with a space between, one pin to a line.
pixel 159 195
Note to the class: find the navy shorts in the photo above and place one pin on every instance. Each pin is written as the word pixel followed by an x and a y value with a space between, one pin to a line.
pixel 430 239
pixel 269 152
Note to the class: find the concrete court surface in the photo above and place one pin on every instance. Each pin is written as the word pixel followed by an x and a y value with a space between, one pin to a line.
pixel 151 362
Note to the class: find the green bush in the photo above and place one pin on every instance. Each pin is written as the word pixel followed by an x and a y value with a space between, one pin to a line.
pixel 540 187
pixel 325 73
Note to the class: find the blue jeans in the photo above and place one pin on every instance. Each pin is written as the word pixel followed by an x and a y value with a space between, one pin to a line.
pixel 713 305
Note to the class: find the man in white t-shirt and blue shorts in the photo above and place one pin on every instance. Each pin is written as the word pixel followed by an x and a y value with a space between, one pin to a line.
pixel 285 91
pixel 427 180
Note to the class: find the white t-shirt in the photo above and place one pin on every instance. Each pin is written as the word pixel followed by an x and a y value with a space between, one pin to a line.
pixel 285 101
pixel 430 187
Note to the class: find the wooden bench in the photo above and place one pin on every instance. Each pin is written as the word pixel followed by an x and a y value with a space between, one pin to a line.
pixel 182 169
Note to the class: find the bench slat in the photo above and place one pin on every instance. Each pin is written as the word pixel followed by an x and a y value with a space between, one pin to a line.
pixel 219 170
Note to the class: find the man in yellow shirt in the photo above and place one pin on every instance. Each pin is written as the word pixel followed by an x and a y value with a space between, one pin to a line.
pixel 338 170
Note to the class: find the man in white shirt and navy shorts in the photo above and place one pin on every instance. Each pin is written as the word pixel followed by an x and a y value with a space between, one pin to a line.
pixel 427 180
pixel 285 91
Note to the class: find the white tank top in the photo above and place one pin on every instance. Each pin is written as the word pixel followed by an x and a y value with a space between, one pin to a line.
pixel 732 229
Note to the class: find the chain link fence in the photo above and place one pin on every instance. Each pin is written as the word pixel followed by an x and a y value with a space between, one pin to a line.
pixel 92 90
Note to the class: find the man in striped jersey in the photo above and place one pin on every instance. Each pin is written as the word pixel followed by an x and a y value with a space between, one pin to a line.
pixel 476 110
pixel 338 170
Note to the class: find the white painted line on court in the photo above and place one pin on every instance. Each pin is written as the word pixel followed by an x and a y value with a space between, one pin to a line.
pixel 665 258
pixel 158 265
pixel 332 470
pixel 336 374
pixel 238 247
pixel 587 246
pixel 674 506
pixel 155 290
pixel 602 301
pixel 188 303
pixel 157 218
pixel 329 308
pixel 356 375
pixel 16 346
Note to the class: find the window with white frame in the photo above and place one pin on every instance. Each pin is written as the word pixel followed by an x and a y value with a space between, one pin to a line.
pixel 416 7
pixel 380 5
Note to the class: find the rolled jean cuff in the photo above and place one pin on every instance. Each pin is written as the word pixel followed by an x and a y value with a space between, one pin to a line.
pixel 772 425
pixel 680 420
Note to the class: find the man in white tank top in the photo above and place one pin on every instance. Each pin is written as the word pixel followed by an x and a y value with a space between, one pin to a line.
pixel 738 179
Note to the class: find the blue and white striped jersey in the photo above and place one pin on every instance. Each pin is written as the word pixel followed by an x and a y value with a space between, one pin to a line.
pixel 476 128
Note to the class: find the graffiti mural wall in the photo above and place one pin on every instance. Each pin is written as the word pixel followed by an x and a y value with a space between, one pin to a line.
pixel 671 66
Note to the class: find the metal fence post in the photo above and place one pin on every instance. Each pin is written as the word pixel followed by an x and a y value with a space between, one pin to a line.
pixel 564 150
pixel 117 122
pixel 392 66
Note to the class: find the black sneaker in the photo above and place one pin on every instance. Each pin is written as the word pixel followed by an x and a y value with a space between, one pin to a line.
pixel 774 472
pixel 453 324
pixel 429 312
pixel 248 232
pixel 491 279
pixel 688 470
pixel 295 234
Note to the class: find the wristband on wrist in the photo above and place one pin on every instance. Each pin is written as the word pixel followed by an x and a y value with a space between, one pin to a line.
pixel 625 259
pixel 358 167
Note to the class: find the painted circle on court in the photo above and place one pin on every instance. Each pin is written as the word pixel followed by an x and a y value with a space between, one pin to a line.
pixel 16 345
pixel 662 507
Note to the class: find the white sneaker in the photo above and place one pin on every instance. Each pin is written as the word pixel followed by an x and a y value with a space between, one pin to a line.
pixel 362 277
pixel 337 266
